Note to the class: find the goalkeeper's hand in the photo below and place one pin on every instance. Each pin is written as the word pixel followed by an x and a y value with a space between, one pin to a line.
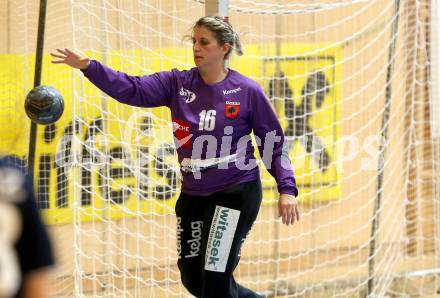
pixel 70 58
pixel 288 209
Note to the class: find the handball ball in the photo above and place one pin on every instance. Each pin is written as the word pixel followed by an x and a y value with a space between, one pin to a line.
pixel 44 105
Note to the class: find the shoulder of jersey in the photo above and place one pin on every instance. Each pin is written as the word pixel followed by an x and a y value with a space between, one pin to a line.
pixel 185 73
pixel 244 81
pixel 12 180
pixel 12 162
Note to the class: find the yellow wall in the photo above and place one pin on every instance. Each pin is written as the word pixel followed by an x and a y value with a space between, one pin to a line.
pixel 60 146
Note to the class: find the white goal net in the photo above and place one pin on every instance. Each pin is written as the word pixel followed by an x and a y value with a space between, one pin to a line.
pixel 351 84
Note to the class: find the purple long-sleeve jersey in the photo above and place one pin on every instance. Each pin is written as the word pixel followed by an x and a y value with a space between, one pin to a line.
pixel 211 125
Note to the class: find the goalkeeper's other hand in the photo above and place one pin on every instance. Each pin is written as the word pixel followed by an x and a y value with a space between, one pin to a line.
pixel 288 209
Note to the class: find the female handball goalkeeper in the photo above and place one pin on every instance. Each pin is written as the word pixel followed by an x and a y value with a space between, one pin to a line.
pixel 214 109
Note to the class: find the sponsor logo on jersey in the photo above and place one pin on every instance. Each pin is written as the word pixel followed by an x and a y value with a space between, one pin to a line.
pixel 189 96
pixel 231 109
pixel 227 92
pixel 182 133
pixel 195 243
pixel 179 231
pixel 221 236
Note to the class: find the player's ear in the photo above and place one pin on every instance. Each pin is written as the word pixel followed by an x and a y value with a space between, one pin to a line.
pixel 227 48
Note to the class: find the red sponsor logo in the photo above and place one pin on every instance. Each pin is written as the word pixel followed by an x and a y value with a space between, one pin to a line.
pixel 231 109
pixel 182 133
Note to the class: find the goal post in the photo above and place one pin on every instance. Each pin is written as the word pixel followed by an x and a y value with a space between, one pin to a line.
pixel 375 224
pixel 217 8
pixel 435 69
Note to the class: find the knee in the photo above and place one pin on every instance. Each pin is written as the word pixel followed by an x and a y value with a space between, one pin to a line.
pixel 191 281
pixel 192 285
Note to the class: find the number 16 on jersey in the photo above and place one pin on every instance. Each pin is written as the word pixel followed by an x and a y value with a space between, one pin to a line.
pixel 207 120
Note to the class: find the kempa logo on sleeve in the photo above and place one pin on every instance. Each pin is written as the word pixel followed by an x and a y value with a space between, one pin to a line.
pixel 221 235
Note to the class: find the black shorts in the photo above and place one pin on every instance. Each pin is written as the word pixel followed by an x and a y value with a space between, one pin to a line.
pixel 210 232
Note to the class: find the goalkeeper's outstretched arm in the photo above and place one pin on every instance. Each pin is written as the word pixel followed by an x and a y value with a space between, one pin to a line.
pixel 153 90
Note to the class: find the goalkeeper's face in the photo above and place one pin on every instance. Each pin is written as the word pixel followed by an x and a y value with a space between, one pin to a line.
pixel 207 49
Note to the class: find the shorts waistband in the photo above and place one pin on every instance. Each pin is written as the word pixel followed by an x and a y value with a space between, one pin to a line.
pixel 198 165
